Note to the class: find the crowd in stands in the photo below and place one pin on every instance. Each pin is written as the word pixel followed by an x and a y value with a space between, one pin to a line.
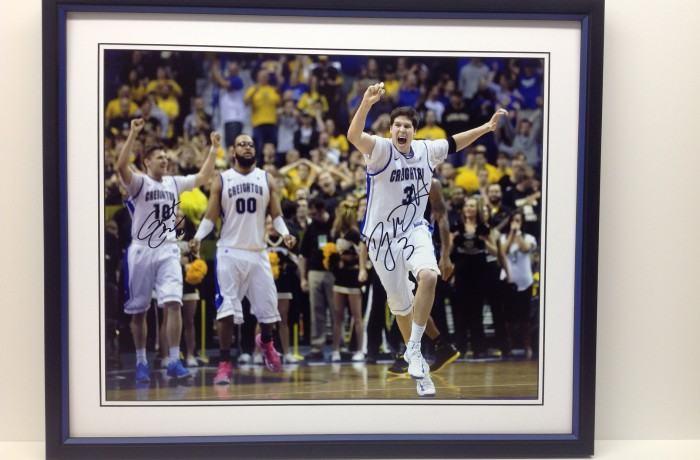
pixel 297 109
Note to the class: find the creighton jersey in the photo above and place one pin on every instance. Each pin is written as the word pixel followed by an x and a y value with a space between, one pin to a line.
pixel 153 207
pixel 244 201
pixel 398 186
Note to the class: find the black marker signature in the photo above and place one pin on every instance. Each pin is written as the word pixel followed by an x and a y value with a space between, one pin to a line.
pixel 400 219
pixel 157 231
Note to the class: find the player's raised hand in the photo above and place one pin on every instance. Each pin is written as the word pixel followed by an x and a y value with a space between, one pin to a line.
pixel 493 123
pixel 137 124
pixel 374 92
pixel 215 140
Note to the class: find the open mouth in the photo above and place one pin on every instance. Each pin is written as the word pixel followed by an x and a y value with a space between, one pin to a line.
pixel 401 140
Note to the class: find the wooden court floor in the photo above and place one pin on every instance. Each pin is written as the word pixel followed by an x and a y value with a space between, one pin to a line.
pixel 462 380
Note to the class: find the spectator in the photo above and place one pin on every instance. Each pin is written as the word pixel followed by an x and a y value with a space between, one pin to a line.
pixel 153 123
pixel 300 174
pixel 431 131
pixel 306 135
pixel 287 125
pixel 299 73
pixel 197 124
pixel 164 79
pixel 326 153
pixel 315 278
pixel 381 125
pixel 525 138
pixel 433 103
pixel 391 84
pixel 454 214
pixel 456 119
pixel 269 155
pixel 232 109
pixel 506 181
pixel 311 97
pixel 445 174
pixel 114 107
pixel 263 100
pixel 337 140
pixel 470 76
pixel 190 292
pixel 516 247
pixel 119 125
pixel 284 271
pixel 502 166
pixel 326 188
pixel 348 272
pixel 409 93
pixel 169 104
pixel 524 196
pixel 471 244
pixel 330 82
pixel 530 87
pixel 137 87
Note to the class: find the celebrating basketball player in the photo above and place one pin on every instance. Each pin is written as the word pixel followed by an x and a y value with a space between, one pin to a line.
pixel 399 172
pixel 241 196
pixel 153 258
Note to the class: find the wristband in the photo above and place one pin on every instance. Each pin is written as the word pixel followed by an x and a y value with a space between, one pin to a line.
pixel 280 226
pixel 205 227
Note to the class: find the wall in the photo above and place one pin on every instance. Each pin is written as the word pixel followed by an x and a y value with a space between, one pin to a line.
pixel 649 310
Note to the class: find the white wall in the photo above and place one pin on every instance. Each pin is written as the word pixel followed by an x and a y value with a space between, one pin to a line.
pixel 649 307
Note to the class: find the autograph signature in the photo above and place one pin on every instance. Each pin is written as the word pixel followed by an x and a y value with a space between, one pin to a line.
pixel 399 220
pixel 156 230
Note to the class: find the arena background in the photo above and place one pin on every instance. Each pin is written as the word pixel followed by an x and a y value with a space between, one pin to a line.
pixel 647 400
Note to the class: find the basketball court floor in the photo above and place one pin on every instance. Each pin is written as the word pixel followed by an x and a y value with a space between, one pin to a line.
pixel 464 379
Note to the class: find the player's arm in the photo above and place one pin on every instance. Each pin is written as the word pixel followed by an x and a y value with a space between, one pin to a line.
pixel 276 212
pixel 202 177
pixel 123 167
pixel 465 138
pixel 439 209
pixel 356 135
pixel 210 215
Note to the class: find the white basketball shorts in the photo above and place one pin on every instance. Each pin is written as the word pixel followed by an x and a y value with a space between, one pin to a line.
pixel 241 273
pixel 393 260
pixel 146 269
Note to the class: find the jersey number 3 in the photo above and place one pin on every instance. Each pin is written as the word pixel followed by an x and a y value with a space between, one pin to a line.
pixel 409 191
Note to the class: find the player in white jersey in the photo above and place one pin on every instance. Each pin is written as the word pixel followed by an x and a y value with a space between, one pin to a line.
pixel 152 260
pixel 242 196
pixel 399 172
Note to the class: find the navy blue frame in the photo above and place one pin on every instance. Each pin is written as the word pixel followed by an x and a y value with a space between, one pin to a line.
pixel 579 443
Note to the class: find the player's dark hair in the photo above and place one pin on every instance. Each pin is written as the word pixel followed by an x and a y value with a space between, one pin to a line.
pixel 149 150
pixel 408 112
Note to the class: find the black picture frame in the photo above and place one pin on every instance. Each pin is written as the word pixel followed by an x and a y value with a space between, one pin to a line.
pixel 579 443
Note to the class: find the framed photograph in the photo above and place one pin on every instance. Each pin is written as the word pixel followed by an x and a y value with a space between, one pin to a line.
pixel 512 357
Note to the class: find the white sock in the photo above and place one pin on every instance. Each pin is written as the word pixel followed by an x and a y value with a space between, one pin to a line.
pixel 416 332
pixel 174 353
pixel 141 356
